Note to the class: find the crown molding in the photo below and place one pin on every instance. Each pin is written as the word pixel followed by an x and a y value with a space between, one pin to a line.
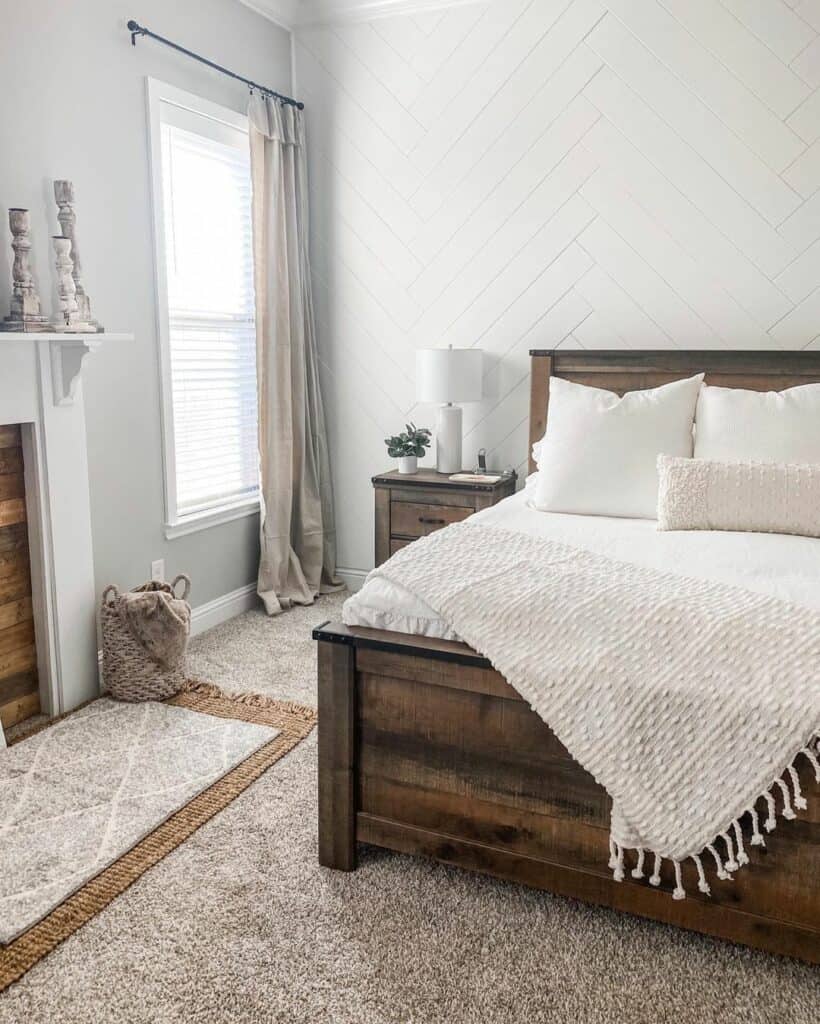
pixel 294 14
pixel 285 13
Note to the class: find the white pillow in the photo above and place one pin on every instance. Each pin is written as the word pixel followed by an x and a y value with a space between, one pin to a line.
pixel 599 454
pixel 759 426
pixel 758 497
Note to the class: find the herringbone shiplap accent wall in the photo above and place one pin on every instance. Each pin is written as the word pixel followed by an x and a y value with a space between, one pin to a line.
pixel 534 173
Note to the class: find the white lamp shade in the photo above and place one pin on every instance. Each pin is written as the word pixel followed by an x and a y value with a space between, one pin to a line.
pixel 448 374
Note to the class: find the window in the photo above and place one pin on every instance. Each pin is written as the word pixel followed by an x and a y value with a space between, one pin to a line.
pixel 202 202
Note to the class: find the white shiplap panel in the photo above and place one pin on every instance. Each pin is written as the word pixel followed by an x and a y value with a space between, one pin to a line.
pixel 801 326
pixel 616 308
pixel 807 64
pixel 809 11
pixel 648 288
pixel 693 121
pixel 697 288
pixel 543 184
pixel 499 170
pixel 747 57
pixel 348 292
pixel 554 196
pixel 403 35
pixel 804 173
pixel 803 227
pixel 595 332
pixel 800 278
pixel 806 119
pixel 512 105
pixel 467 59
pixel 331 195
pixel 503 375
pixel 526 309
pixel 775 24
pixel 454 29
pixel 514 48
pixel 685 168
pixel 750 287
pixel 427 21
pixel 382 61
pixel 748 117
pixel 344 116
pixel 394 389
pixel 364 88
pixel 488 303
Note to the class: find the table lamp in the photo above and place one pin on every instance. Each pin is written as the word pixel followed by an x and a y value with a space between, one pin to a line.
pixel 448 375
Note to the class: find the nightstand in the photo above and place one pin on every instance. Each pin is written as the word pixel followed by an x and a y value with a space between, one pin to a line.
pixel 411 506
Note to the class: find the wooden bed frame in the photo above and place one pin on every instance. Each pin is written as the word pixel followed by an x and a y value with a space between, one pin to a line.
pixel 424 748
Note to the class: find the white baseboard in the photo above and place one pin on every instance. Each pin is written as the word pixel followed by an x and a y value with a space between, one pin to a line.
pixel 353 578
pixel 228 606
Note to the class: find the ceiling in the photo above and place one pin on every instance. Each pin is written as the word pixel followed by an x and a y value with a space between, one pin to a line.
pixel 295 13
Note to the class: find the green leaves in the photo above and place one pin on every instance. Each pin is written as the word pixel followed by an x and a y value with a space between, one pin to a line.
pixel 413 441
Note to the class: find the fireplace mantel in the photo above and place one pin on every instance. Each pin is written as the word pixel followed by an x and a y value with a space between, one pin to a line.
pixel 41 389
pixel 67 352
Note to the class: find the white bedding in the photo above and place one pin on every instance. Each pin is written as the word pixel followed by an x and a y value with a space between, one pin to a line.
pixel 780 566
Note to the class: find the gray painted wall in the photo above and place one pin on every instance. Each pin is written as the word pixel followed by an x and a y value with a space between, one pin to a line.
pixel 72 105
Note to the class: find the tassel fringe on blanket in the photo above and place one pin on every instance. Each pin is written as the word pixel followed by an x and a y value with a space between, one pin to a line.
pixel 732 838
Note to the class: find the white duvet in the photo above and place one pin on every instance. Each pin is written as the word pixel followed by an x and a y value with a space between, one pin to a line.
pixel 773 564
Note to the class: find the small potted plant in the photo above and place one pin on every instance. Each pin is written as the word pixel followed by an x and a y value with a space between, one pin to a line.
pixel 408 447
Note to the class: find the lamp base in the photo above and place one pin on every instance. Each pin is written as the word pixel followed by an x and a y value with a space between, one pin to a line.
pixel 448 439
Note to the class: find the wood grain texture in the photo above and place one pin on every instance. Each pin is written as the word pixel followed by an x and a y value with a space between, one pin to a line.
pixel 456 766
pixel 19 693
pixel 19 709
pixel 337 845
pixel 411 506
pixel 11 436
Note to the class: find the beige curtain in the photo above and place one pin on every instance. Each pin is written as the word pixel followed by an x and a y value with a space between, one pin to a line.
pixel 298 558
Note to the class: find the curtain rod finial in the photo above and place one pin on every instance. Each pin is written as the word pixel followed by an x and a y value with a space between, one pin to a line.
pixel 135 29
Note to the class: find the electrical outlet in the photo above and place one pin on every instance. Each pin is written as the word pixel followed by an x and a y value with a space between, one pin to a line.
pixel 158 570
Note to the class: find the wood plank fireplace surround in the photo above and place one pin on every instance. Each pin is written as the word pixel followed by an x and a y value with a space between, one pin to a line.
pixel 48 641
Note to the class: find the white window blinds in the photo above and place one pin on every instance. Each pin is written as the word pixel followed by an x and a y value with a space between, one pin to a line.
pixel 211 358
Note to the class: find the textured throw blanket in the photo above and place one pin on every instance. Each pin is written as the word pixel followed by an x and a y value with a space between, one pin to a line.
pixel 687 700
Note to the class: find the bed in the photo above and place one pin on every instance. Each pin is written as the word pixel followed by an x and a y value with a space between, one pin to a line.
pixel 426 749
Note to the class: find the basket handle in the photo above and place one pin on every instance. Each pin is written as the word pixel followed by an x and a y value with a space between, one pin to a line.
pixel 187 581
pixel 112 588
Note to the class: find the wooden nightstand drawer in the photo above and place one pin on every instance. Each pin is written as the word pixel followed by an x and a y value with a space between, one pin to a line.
pixel 416 520
pixel 412 506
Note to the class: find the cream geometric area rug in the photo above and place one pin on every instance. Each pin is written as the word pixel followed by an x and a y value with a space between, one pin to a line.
pixel 78 795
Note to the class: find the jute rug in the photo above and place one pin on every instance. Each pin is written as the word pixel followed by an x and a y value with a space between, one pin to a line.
pixel 285 725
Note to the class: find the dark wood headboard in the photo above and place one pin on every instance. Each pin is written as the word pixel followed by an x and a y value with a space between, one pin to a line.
pixel 631 370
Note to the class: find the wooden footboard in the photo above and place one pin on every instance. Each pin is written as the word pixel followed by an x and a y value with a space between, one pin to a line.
pixel 425 749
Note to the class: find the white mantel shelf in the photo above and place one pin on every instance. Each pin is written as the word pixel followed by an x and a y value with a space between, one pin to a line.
pixel 68 352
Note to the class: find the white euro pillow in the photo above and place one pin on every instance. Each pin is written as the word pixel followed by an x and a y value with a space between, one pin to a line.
pixel 734 425
pixel 753 497
pixel 599 454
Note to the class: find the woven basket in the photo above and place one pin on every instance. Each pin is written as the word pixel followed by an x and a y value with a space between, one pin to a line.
pixel 130 673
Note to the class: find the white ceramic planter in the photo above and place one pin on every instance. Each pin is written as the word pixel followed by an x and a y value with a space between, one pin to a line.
pixel 409 464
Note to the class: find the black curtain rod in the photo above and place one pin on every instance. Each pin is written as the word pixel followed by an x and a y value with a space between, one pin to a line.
pixel 138 30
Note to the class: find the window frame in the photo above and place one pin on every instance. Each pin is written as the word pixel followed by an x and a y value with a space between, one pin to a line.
pixel 175 525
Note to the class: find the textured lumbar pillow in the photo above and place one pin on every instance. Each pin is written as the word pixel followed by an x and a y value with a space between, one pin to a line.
pixel 598 456
pixel 756 497
pixel 761 426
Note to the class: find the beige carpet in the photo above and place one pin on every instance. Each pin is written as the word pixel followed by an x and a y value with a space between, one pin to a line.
pixel 240 924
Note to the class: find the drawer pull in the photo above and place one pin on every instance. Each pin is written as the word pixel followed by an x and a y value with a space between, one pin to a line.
pixel 428 521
